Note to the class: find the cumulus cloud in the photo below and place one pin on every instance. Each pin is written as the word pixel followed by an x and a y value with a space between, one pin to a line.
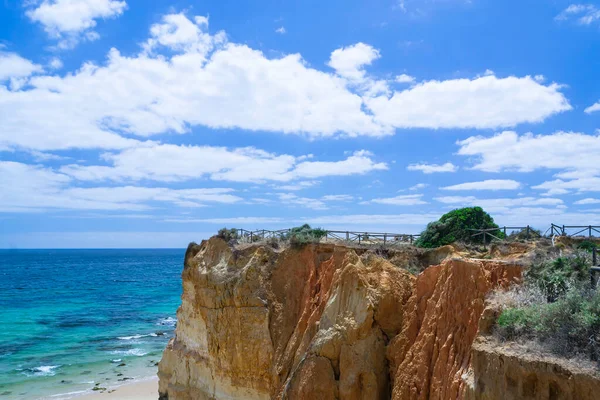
pixel 587 201
pixel 337 197
pixel 73 20
pixel 14 66
pixel 593 108
pixel 584 14
pixel 169 163
pixel 568 152
pixel 433 168
pixel 419 186
pixel 350 61
pixel 483 102
pixel 405 78
pixel 404 200
pixel 29 188
pixel 185 77
pixel 489 184
pixel 281 30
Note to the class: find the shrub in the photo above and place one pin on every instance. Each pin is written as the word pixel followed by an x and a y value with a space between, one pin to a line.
pixel 455 226
pixel 553 277
pixel 524 234
pixel 228 234
pixel 303 235
pixel 587 245
pixel 555 307
pixel 568 326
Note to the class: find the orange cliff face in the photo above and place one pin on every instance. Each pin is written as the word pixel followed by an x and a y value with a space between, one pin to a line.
pixel 323 322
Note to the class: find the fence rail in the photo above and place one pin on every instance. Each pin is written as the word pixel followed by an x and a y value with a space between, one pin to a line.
pixel 361 238
pixel 391 239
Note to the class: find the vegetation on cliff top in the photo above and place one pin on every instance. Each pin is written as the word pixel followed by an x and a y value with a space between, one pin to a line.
pixel 456 226
pixel 556 307
pixel 303 235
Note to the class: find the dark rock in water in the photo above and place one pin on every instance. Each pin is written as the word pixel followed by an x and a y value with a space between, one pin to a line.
pixel 66 382
pixel 5 393
pixel 125 379
pixel 159 333
pixel 85 372
pixel 96 388
pixel 119 374
pixel 121 365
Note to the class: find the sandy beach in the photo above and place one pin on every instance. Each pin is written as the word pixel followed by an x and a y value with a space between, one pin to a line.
pixel 141 390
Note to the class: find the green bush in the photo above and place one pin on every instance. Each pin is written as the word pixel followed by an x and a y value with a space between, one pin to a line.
pixel 553 277
pixel 564 316
pixel 587 246
pixel 568 326
pixel 524 234
pixel 303 235
pixel 228 234
pixel 455 226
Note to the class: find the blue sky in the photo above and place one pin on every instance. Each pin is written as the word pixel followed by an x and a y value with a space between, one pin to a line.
pixel 129 124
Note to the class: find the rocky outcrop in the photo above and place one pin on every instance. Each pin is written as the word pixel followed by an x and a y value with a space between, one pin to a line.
pixel 259 323
pixel 433 350
pixel 510 372
pixel 328 322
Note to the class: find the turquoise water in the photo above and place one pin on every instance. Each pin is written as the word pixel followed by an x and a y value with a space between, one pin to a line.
pixel 70 319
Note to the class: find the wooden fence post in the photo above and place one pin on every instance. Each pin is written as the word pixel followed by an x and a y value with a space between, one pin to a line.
pixel 347 236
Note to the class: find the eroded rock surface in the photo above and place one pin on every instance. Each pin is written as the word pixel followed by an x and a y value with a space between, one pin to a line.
pixel 330 322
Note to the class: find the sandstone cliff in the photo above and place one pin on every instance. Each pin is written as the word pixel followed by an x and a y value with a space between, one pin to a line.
pixel 326 322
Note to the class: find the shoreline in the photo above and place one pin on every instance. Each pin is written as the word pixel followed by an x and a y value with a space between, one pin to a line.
pixel 141 389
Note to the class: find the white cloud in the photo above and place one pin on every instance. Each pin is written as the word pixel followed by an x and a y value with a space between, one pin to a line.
pixel 72 20
pixel 14 66
pixel 297 186
pixel 587 201
pixel 29 188
pixel 291 199
pixel 168 163
pixel 528 152
pixel 404 200
pixel 419 186
pixel 337 197
pixel 405 79
pixel 483 102
pixel 593 108
pixel 559 186
pixel 501 204
pixel 281 30
pixel 489 184
pixel 185 77
pixel 350 61
pixel 55 63
pixel 231 221
pixel 568 152
pixel 177 32
pixel 346 221
pixel 585 14
pixel 433 168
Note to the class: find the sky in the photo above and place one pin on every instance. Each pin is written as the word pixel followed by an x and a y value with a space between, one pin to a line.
pixel 128 123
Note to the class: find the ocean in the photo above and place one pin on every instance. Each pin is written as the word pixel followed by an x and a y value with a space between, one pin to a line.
pixel 73 320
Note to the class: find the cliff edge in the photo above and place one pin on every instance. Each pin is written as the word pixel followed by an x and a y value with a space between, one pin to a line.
pixel 326 322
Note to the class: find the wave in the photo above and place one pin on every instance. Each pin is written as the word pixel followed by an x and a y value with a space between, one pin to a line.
pixel 136 336
pixel 131 352
pixel 44 370
pixel 169 321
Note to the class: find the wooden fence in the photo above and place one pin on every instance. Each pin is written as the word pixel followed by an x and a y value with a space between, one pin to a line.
pixel 354 237
pixel 391 239
pixel 566 230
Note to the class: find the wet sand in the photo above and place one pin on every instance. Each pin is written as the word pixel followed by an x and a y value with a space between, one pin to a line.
pixel 141 390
